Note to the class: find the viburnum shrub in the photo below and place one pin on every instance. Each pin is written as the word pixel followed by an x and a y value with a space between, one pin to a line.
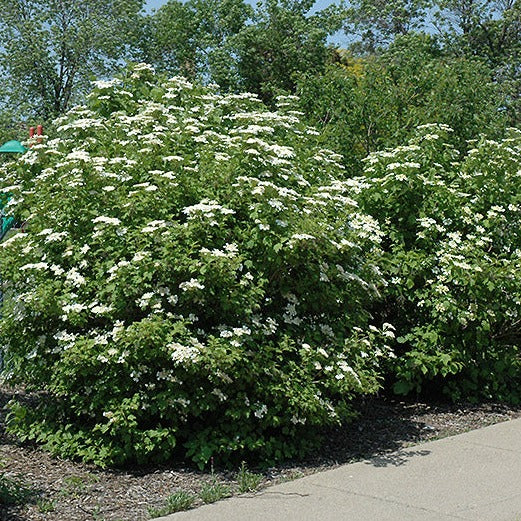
pixel 194 278
pixel 453 261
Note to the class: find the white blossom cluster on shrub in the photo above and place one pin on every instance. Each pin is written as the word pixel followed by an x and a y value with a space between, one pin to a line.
pixel 453 245
pixel 195 276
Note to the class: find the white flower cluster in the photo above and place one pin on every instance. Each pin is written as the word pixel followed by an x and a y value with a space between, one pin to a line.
pixel 191 285
pixel 113 221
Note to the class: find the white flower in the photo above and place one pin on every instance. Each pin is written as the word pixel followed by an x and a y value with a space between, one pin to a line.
pixel 139 256
pixel 74 277
pixel 10 188
pixel 73 308
pixel 261 411
pixel 207 208
pixel 144 301
pixel 219 394
pixel 231 248
pixel 101 84
pixel 79 155
pixel 57 270
pixel 100 309
pixel 152 226
pixel 181 353
pixel 65 336
pixel 107 220
pixel 302 236
pixel 56 236
pixel 190 285
pixel 35 266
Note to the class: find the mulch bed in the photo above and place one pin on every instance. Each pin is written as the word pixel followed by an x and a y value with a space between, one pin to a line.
pixel 64 490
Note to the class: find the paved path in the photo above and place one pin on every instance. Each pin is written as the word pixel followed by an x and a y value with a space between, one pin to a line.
pixel 474 476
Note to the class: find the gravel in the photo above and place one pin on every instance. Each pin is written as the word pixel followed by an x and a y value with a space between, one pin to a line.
pixel 59 489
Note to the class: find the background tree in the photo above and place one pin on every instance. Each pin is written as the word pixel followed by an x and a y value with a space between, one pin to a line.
pixel 376 23
pixel 53 48
pixel 363 105
pixel 491 30
pixel 193 38
pixel 238 47
pixel 284 40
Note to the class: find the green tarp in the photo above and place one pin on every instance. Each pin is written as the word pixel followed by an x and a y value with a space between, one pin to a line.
pixel 13 147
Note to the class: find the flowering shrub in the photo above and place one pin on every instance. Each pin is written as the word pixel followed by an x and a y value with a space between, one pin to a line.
pixel 194 277
pixel 453 243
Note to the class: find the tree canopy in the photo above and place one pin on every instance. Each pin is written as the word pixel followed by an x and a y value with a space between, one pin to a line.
pixel 52 49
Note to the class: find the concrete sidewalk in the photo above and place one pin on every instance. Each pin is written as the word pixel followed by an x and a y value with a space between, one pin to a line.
pixel 474 476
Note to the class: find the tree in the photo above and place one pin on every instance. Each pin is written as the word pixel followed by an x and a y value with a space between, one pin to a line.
pixel 285 40
pixel 193 38
pixel 53 48
pixel 240 48
pixel 364 105
pixel 491 30
pixel 376 23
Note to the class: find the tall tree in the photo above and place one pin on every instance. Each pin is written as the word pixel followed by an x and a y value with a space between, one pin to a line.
pixel 376 23
pixel 53 48
pixel 193 38
pixel 488 28
pixel 285 39
pixel 239 47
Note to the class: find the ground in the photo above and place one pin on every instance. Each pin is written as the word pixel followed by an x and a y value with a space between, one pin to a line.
pixel 59 490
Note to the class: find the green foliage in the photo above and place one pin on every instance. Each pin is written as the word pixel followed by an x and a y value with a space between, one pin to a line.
pixel 194 38
pixel 377 22
pixel 259 50
pixel 194 279
pixel 364 105
pixel 247 481
pixel 283 41
pixel 46 506
pixel 51 50
pixel 453 241
pixel 213 491
pixel 177 502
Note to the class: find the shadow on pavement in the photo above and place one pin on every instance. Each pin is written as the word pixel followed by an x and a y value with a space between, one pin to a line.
pixel 396 459
pixel 382 427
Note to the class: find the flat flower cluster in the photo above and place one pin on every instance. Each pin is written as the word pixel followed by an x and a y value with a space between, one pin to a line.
pixel 195 277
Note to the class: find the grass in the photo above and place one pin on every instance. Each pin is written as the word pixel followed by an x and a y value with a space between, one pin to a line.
pixel 247 481
pixel 178 501
pixel 213 491
pixel 210 492
pixel 46 505
pixel 75 485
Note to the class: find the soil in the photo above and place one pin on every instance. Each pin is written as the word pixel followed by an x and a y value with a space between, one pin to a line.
pixel 63 490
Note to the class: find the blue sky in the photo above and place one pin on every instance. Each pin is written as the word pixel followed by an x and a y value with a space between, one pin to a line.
pixel 339 38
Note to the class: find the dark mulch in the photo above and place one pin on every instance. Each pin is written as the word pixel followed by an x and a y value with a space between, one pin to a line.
pixel 64 490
